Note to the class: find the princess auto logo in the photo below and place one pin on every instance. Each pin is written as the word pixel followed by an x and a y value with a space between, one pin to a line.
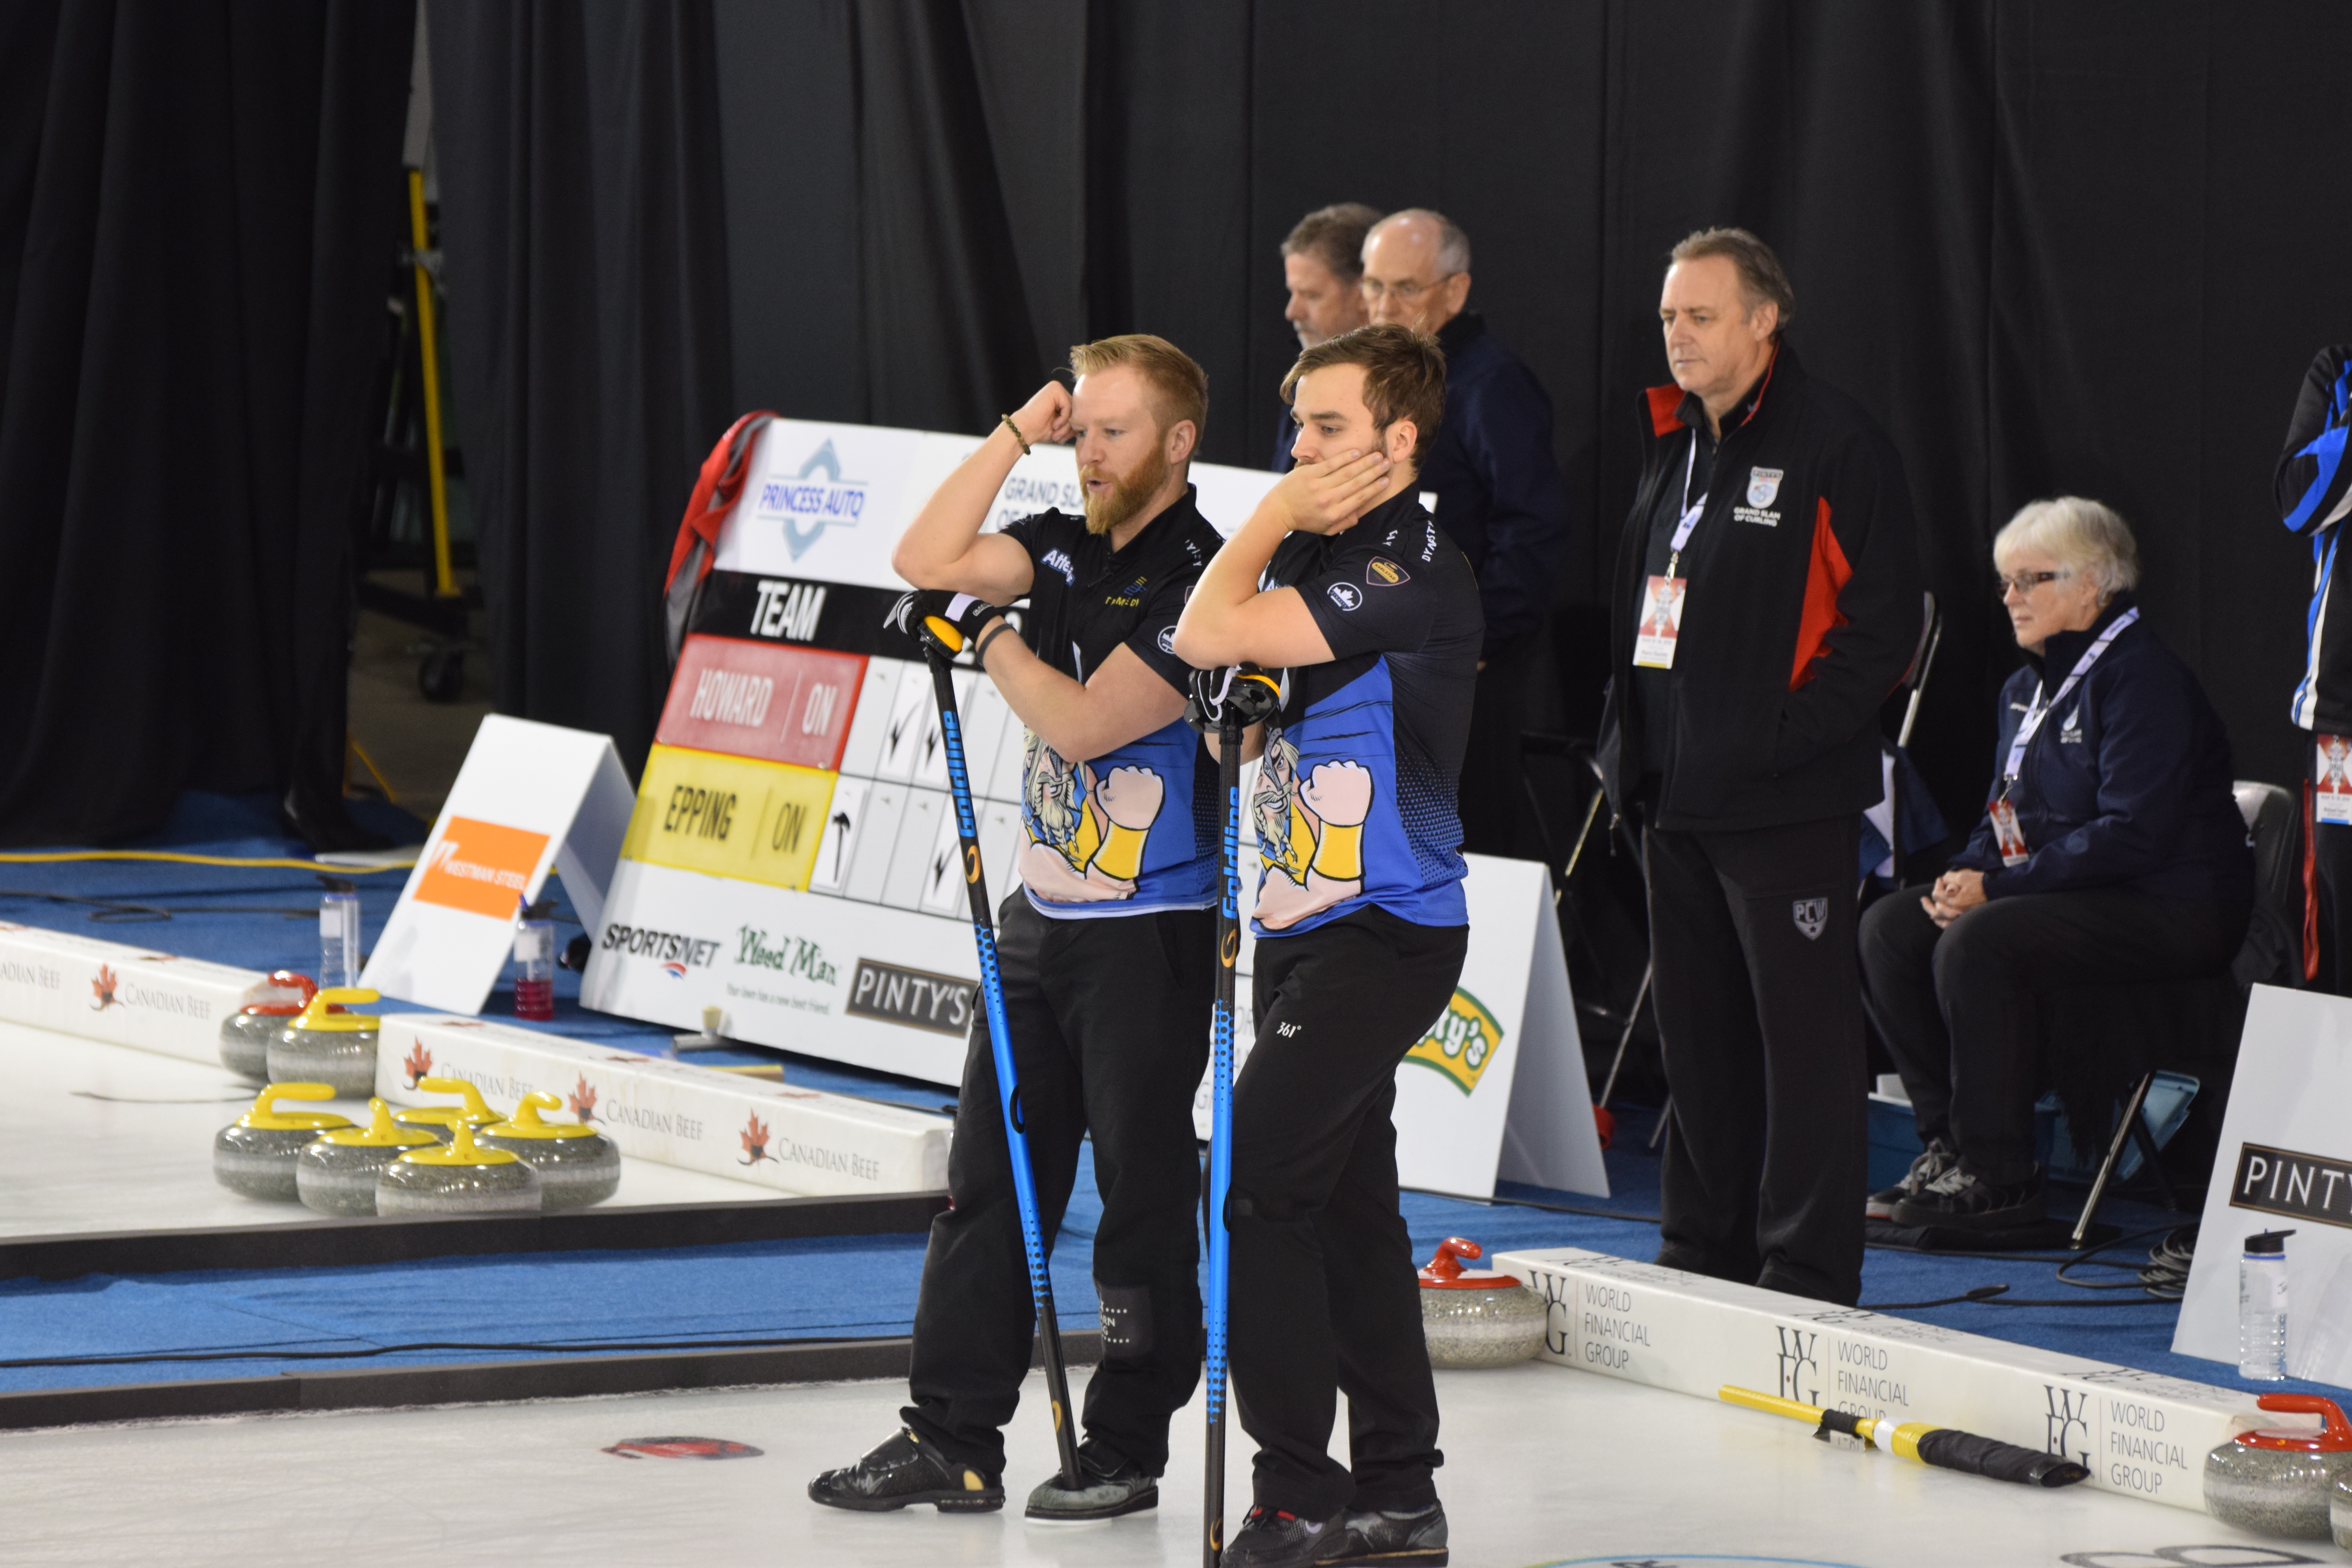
pixel 812 501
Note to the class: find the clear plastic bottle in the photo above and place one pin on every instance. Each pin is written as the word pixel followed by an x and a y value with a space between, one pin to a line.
pixel 534 950
pixel 339 933
pixel 2261 1308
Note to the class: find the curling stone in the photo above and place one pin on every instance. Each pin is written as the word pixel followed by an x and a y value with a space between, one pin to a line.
pixel 336 1173
pixel 327 1045
pixel 245 1034
pixel 2282 1480
pixel 577 1166
pixel 255 1154
pixel 1476 1317
pixel 457 1177
pixel 474 1111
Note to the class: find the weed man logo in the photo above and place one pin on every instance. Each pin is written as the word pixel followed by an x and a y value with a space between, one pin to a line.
pixel 1799 1373
pixel 1460 1042
pixel 2068 1423
pixel 102 988
pixel 807 506
pixel 1763 485
pixel 481 867
pixel 1812 916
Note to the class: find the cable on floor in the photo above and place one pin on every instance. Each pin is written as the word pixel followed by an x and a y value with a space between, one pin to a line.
pixel 178 857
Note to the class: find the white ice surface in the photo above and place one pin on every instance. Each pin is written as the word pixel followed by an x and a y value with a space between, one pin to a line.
pixel 95 1137
pixel 1543 1466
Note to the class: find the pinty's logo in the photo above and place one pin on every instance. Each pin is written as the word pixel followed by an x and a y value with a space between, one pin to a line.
pixel 755 1143
pixel 584 1101
pixel 418 1062
pixel 102 989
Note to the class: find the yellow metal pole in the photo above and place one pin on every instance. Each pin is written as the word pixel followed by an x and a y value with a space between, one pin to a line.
pixel 444 585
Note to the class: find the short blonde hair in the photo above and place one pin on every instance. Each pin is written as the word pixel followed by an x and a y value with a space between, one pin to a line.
pixel 2082 535
pixel 1180 388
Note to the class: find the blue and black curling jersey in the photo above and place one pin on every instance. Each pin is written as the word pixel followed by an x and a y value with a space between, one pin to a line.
pixel 1355 796
pixel 1134 829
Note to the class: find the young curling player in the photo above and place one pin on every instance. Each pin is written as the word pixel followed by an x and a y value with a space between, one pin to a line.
pixel 1340 582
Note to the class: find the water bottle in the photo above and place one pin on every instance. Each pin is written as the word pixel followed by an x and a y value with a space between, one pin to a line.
pixel 534 950
pixel 2261 1308
pixel 339 933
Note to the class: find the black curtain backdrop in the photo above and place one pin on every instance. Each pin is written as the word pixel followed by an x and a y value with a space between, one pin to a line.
pixel 2064 245
pixel 198 203
pixel 584 238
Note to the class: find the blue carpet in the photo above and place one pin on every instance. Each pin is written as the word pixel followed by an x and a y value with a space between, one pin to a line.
pixel 817 1289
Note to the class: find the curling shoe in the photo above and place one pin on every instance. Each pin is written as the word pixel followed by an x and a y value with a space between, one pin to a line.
pixel 1378 1535
pixel 1957 1200
pixel 1933 1161
pixel 1104 1491
pixel 1270 1538
pixel 906 1470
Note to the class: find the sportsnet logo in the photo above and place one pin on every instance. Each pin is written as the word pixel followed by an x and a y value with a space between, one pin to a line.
pixel 675 952
pixel 481 867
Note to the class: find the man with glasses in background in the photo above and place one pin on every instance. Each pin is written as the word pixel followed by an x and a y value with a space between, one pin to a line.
pixel 1498 492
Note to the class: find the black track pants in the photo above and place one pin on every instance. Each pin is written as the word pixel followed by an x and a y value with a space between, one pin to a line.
pixel 1325 1298
pixel 2331 890
pixel 1759 1021
pixel 1957 1005
pixel 1110 1032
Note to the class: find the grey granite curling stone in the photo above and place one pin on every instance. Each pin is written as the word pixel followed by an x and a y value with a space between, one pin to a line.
pixel 2280 1480
pixel 327 1045
pixel 457 1177
pixel 255 1154
pixel 1477 1318
pixel 336 1173
pixel 577 1166
pixel 2339 1512
pixel 245 1034
pixel 475 1113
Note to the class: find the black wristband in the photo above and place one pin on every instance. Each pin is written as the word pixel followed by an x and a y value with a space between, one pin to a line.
pixel 979 651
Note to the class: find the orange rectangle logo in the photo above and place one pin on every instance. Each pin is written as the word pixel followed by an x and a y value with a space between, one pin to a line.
pixel 480 866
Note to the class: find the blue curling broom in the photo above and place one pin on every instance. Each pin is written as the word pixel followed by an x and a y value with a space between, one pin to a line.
pixel 1235 699
pixel 941 641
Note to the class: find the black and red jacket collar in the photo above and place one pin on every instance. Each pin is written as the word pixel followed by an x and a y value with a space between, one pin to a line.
pixel 1668 410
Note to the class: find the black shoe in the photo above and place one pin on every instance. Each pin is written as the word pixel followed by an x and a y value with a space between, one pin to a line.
pixel 1376 1535
pixel 1932 1162
pixel 1104 1491
pixel 907 1471
pixel 1272 1538
pixel 1959 1201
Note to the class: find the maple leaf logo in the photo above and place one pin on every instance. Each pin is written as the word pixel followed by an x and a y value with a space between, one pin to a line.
pixel 755 1143
pixel 584 1101
pixel 102 988
pixel 419 1062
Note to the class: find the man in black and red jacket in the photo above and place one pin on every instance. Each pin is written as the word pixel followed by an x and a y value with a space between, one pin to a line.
pixel 2314 482
pixel 1773 533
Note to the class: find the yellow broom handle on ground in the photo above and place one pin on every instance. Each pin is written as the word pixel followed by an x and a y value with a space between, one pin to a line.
pixel 444 585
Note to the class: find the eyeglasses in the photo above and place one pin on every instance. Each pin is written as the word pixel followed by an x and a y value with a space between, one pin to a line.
pixel 2024 583
pixel 1375 291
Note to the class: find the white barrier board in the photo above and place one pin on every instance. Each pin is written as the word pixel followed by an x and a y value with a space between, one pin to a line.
pixel 2140 1434
pixel 127 995
pixel 2284 1163
pixel 531 798
pixel 793 1140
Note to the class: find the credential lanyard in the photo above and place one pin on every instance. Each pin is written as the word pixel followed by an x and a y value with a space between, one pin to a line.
pixel 1691 509
pixel 2031 725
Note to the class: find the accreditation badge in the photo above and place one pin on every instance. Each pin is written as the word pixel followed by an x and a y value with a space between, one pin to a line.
pixel 2007 834
pixel 2331 788
pixel 1660 624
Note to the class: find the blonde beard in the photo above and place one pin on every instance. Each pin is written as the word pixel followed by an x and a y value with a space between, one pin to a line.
pixel 1128 496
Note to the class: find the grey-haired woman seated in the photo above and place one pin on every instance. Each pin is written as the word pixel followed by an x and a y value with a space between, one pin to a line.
pixel 2111 850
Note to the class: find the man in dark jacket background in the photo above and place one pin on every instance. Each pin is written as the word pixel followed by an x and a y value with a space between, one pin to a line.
pixel 1767 597
pixel 2314 495
pixel 1322 271
pixel 1497 488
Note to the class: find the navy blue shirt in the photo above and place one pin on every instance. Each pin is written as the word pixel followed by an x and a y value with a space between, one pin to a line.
pixel 1355 796
pixel 1499 494
pixel 2126 784
pixel 1134 829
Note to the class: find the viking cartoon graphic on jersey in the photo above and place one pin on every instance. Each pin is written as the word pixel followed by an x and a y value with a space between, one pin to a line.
pixel 1310 834
pixel 1085 831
